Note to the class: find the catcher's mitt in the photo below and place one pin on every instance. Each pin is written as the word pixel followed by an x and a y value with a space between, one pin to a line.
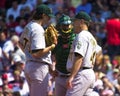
pixel 51 35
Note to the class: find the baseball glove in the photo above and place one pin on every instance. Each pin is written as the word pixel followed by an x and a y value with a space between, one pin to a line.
pixel 51 35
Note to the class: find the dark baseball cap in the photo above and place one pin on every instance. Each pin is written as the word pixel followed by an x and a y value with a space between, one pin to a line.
pixel 42 8
pixel 64 19
pixel 83 15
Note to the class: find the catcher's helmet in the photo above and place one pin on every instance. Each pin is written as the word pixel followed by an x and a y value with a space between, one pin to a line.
pixel 64 19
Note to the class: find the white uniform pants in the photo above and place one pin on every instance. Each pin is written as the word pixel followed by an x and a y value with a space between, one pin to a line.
pixel 82 83
pixel 37 76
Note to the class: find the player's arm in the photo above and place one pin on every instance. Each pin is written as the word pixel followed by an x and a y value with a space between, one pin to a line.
pixel 53 61
pixel 38 46
pixel 40 52
pixel 52 70
pixel 76 65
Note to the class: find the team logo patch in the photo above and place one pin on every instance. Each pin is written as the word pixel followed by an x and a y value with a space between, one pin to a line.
pixel 65 46
pixel 93 42
pixel 79 45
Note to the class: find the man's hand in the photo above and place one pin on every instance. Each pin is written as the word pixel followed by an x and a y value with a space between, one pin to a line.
pixel 75 68
pixel 54 73
pixel 69 82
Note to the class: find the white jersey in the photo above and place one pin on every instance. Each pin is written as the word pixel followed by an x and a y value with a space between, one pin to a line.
pixel 33 39
pixel 1 57
pixel 8 46
pixel 85 45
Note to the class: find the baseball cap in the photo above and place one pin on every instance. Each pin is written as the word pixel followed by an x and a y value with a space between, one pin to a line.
pixel 83 15
pixel 64 19
pixel 115 70
pixel 42 8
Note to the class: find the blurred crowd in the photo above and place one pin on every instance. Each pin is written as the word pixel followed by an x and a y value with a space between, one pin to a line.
pixel 15 14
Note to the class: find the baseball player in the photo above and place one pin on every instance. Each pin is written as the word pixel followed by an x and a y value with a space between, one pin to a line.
pixel 38 56
pixel 81 58
pixel 61 53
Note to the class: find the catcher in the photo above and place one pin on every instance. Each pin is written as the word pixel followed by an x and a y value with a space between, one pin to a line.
pixel 60 54
pixel 38 55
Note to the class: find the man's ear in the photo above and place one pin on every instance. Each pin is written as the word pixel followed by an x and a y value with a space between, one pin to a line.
pixel 82 21
pixel 43 15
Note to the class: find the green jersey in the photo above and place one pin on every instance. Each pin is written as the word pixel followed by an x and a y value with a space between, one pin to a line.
pixel 61 51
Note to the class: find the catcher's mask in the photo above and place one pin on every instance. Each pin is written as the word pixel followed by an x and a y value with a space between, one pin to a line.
pixel 65 23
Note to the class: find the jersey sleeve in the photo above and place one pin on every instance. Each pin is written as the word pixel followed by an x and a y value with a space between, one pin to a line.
pixel 37 39
pixel 81 46
pixel 98 48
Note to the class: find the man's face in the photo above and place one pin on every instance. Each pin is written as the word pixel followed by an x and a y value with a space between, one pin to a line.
pixel 84 2
pixel 66 27
pixel 14 5
pixel 76 26
pixel 2 36
pixel 46 19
